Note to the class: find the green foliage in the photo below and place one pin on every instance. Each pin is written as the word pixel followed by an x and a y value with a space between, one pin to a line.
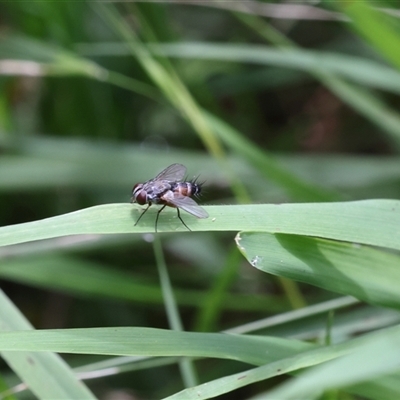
pixel 97 97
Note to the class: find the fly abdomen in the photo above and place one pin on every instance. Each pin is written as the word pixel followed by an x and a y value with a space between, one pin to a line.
pixel 188 189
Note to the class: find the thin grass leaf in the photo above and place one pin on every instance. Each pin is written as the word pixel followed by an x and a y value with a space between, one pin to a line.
pixel 174 319
pixel 132 341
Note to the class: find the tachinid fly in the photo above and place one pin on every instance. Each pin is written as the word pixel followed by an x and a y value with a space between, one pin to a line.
pixel 168 189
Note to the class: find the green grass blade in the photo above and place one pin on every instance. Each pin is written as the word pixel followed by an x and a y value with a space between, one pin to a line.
pixel 132 341
pixel 46 374
pixel 372 222
pixel 355 270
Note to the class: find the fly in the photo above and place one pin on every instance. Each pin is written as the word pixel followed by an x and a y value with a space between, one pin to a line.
pixel 169 189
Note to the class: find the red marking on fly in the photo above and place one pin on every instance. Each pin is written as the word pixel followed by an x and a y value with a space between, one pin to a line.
pixel 168 188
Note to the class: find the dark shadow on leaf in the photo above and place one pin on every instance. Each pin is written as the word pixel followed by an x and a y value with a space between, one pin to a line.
pixel 321 271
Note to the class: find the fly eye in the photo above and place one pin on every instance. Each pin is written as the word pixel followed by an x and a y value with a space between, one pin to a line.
pixel 140 196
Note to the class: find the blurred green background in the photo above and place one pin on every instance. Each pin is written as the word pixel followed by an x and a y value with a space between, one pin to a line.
pixel 268 103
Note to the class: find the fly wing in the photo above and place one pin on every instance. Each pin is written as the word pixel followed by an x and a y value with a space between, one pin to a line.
pixel 173 173
pixel 189 205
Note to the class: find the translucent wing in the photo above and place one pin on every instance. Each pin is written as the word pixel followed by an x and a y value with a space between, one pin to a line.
pixel 189 205
pixel 173 173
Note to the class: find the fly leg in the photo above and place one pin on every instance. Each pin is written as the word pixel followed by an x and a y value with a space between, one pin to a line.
pixel 179 216
pixel 158 214
pixel 141 215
